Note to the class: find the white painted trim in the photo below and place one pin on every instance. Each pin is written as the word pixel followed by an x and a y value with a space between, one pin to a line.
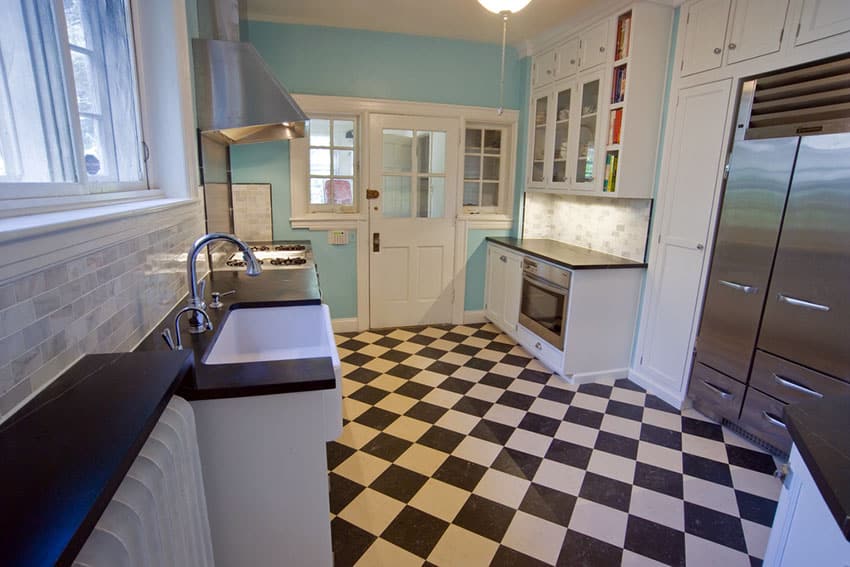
pixel 474 317
pixel 325 223
pixel 587 377
pixel 487 224
pixel 363 305
pixel 345 325
pixel 459 279
pixel 675 399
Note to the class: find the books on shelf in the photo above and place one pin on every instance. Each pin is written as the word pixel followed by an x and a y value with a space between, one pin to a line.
pixel 624 29
pixel 618 84
pixel 609 183
pixel 615 126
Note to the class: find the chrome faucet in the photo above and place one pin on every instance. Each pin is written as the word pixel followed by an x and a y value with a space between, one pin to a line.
pixel 166 334
pixel 196 298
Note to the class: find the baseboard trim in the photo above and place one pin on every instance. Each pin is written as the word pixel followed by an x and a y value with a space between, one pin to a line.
pixel 674 399
pixel 587 377
pixel 474 317
pixel 345 325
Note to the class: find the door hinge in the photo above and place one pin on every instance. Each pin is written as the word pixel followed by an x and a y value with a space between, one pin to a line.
pixel 688 19
pixel 781 35
pixel 681 68
pixel 659 238
pixel 641 360
pixel 726 169
pixel 798 30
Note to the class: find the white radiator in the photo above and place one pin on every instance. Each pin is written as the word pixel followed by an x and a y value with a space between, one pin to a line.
pixel 158 516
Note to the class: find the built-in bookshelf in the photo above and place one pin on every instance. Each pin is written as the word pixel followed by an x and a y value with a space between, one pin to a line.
pixel 619 78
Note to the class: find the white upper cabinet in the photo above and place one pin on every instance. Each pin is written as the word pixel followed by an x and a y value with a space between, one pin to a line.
pixel 543 69
pixel 566 59
pixel 705 36
pixel 821 19
pixel 756 29
pixel 593 46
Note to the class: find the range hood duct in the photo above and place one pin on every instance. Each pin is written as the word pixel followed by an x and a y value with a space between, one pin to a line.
pixel 238 99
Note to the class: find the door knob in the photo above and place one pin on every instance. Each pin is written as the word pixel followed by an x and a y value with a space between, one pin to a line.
pixel 372 194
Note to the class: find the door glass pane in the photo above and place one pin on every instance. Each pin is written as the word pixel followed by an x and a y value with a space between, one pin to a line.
pixel 489 194
pixel 585 166
pixel 589 98
pixel 562 130
pixel 472 167
pixel 398 150
pixel 343 162
pixel 470 194
pixel 320 132
pixel 344 133
pixel 431 152
pixel 320 161
pixel 473 140
pixel 492 141
pixel 395 198
pixel 491 168
pixel 539 148
pixel 431 197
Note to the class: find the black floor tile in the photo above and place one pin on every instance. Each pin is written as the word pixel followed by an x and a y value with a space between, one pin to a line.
pixel 586 417
pixel 596 389
pixel 557 394
pixel 540 424
pixel 432 353
pixel 454 337
pixel 342 492
pixel 507 557
pixel 413 390
pixel 706 469
pixel 661 436
pixel 403 371
pixel 515 360
pixel 580 550
pixel 337 453
pixel 441 367
pixel 387 447
pixel 749 459
pixel 569 454
pixel 656 403
pixel 485 517
pixel 492 431
pixel 655 541
pixel 495 380
pixel 617 444
pixel 627 411
pixel 424 411
pixel 395 356
pixel 456 385
pixel 369 395
pixel 472 406
pixel 352 344
pixel 627 384
pixel 549 504
pixel 660 480
pixel 468 350
pixel 388 342
pixel 460 472
pixel 701 428
pixel 515 400
pixel 399 483
pixel 535 376
pixel 376 418
pixel 349 542
pixel 362 375
pixel 517 463
pixel 755 508
pixel 714 526
pixel 441 439
pixel 500 347
pixel 480 364
pixel 607 491
pixel 487 335
pixel 421 339
pixel 415 531
pixel 357 359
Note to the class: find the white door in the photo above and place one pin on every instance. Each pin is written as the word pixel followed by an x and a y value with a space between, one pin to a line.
pixel 756 29
pixel 413 167
pixel 676 272
pixel 823 18
pixel 705 35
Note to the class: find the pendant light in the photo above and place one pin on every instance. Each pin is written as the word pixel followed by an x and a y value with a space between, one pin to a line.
pixel 504 8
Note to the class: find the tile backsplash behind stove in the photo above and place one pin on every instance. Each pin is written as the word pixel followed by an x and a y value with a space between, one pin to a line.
pixel 614 226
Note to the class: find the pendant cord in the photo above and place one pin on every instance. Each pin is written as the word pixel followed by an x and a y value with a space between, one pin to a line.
pixel 502 76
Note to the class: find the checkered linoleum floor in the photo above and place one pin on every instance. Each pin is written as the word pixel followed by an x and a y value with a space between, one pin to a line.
pixel 458 448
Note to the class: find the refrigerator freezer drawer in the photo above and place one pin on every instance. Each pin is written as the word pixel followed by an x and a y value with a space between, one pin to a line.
pixel 715 394
pixel 792 383
pixel 762 416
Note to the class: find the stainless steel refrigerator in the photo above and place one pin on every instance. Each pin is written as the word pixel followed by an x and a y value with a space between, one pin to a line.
pixel 775 327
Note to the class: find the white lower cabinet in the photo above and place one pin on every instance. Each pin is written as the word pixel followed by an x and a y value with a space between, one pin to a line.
pixel 804 530
pixel 503 288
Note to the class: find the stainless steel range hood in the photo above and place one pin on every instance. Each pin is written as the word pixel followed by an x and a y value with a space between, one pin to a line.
pixel 238 99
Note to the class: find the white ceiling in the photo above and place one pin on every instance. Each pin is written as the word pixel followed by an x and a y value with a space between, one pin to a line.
pixel 460 19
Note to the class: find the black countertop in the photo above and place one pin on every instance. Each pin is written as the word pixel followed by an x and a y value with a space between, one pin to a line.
pixel 64 454
pixel 566 255
pixel 821 432
pixel 272 288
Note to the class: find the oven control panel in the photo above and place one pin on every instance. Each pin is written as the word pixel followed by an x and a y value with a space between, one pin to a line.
pixel 548 272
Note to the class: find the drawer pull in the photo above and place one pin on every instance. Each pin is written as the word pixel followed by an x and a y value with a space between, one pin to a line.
pixel 538 346
pixel 739 287
pixel 801 303
pixel 773 420
pixel 503 258
pixel 719 391
pixel 791 385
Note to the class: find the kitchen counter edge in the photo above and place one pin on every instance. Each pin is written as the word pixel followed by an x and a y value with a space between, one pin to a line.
pixel 566 255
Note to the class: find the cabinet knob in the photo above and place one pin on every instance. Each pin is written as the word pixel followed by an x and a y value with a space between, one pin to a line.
pixel 548 71
pixel 732 46
pixel 700 246
pixel 503 258
pixel 717 51
pixel 572 61
pixel 601 49
pixel 538 346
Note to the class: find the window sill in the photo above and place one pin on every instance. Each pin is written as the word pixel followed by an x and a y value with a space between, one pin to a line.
pixel 342 221
pixel 487 221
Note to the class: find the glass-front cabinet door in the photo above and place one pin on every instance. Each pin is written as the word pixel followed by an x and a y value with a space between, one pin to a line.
pixel 562 145
pixel 586 166
pixel 540 117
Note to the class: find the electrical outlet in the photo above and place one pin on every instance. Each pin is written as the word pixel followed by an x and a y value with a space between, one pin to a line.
pixel 337 237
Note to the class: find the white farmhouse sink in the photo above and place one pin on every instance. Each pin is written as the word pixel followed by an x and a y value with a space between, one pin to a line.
pixel 255 334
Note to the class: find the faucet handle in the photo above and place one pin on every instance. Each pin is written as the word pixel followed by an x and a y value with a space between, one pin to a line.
pixel 166 336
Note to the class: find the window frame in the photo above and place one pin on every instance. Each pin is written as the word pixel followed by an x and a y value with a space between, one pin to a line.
pixel 31 197
pixel 505 182
pixel 355 177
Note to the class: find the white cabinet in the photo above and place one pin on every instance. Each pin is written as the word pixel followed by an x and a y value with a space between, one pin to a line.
pixel 756 29
pixel 820 19
pixel 543 69
pixel 804 530
pixel 593 46
pixel 566 59
pixel 583 161
pixel 503 287
pixel 674 284
pixel 705 36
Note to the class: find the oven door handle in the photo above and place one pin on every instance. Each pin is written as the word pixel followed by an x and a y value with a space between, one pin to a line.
pixel 547 285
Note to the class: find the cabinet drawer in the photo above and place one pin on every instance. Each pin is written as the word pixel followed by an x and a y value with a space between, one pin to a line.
pixel 763 417
pixel 791 383
pixel 551 357
pixel 715 394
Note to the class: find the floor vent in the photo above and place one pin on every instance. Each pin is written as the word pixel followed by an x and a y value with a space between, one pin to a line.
pixel 755 440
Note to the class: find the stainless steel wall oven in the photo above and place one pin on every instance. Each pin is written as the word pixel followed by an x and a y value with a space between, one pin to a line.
pixel 544 301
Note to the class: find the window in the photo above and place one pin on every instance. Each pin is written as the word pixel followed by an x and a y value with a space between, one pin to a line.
pixel 484 168
pixel 69 109
pixel 333 164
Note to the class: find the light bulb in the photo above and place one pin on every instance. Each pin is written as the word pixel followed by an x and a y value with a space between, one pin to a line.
pixel 500 6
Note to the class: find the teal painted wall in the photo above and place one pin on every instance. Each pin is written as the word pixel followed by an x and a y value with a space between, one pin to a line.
pixel 342 62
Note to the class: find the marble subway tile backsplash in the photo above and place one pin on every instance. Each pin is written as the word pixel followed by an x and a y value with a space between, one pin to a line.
pixel 103 301
pixel 614 226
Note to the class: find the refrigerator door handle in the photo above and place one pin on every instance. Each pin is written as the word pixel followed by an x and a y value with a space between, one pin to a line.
pixel 801 303
pixel 719 391
pixel 740 287
pixel 790 384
